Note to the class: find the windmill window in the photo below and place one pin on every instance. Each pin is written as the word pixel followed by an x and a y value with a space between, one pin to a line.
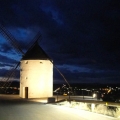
pixel 26 62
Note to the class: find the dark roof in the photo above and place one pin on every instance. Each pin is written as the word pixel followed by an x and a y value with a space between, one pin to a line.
pixel 35 53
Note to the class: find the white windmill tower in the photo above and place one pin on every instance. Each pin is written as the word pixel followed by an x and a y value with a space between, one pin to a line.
pixel 36 74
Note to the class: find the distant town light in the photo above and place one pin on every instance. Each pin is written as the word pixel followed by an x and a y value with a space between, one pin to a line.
pixel 94 95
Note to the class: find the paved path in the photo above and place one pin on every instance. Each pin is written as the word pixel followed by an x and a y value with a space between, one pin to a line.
pixel 14 108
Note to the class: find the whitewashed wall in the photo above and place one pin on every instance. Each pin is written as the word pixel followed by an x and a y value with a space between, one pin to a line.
pixel 37 75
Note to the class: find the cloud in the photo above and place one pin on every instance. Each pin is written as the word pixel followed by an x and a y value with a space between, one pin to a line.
pixel 5 47
pixel 6 59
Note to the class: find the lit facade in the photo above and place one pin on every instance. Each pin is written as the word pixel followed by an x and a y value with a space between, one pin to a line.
pixel 36 73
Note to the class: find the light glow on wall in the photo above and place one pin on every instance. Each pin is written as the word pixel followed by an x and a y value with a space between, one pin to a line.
pixel 37 75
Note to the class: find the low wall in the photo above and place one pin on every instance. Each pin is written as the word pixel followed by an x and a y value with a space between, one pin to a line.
pixel 104 109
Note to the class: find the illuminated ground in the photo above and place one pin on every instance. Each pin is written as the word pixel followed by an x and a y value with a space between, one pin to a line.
pixel 14 108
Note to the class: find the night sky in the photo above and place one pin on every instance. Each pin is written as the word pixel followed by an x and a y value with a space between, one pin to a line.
pixel 81 36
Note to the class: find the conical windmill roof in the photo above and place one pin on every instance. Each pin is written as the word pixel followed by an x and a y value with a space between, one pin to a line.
pixel 35 53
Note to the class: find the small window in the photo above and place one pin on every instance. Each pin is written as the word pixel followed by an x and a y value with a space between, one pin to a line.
pixel 26 62
pixel 41 63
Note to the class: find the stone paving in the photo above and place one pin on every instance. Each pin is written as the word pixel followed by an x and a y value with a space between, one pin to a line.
pixel 14 108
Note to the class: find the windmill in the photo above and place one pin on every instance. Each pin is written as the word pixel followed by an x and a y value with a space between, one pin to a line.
pixel 36 69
